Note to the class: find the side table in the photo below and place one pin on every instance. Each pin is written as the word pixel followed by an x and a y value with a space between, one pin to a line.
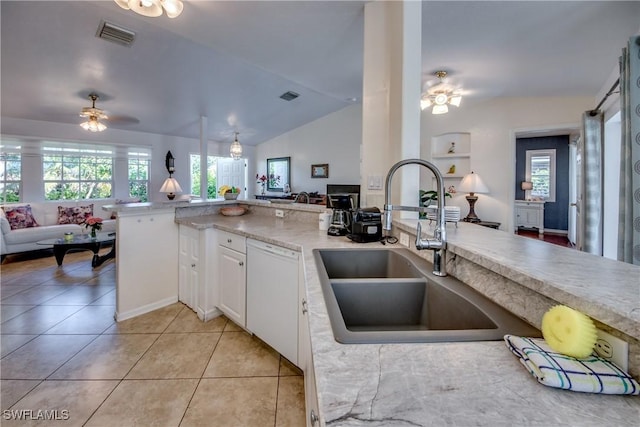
pixel 489 224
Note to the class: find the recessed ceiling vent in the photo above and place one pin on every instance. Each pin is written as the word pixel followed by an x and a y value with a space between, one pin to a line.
pixel 115 33
pixel 289 96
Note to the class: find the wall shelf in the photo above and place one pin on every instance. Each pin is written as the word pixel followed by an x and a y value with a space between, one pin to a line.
pixel 460 142
pixel 451 156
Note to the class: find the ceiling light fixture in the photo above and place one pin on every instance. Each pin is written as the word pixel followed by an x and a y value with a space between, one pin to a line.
pixel 93 116
pixel 440 95
pixel 236 149
pixel 153 8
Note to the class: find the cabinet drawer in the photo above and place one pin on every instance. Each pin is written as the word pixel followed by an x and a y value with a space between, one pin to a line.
pixel 232 241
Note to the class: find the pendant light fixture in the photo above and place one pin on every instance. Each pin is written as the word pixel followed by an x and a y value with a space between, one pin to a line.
pixel 153 8
pixel 93 116
pixel 236 149
pixel 440 95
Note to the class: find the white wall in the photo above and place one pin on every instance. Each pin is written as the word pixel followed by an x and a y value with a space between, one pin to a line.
pixel 159 144
pixel 492 125
pixel 334 139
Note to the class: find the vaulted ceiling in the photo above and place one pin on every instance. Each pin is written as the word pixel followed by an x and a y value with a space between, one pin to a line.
pixel 231 60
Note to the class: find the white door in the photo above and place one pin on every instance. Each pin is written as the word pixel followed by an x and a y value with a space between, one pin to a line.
pixel 231 172
pixel 573 193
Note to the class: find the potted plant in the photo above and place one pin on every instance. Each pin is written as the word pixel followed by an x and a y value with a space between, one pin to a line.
pixel 428 197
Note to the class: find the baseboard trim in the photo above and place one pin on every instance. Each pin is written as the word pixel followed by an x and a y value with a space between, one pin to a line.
pixel 145 309
pixel 209 314
pixel 556 232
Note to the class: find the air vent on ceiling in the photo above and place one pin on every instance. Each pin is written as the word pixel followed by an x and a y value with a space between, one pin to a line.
pixel 289 96
pixel 115 33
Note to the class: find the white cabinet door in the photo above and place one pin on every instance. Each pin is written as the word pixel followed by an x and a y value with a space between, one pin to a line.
pixel 306 363
pixel 530 215
pixel 189 266
pixel 233 284
pixel 207 292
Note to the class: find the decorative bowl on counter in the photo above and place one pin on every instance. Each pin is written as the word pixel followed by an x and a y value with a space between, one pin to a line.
pixel 233 210
pixel 231 196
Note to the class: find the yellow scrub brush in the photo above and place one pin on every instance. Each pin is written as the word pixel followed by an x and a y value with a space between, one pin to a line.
pixel 569 332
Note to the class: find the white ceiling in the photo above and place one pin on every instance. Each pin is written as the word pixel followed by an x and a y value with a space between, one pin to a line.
pixel 231 60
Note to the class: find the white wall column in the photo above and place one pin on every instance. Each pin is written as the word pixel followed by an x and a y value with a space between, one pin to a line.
pixel 204 146
pixel 391 99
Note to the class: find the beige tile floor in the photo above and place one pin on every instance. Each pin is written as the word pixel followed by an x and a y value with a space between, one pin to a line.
pixel 62 351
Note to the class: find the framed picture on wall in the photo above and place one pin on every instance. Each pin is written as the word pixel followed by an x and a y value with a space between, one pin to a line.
pixel 320 171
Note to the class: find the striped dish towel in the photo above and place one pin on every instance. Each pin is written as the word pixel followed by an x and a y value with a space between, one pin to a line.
pixel 592 374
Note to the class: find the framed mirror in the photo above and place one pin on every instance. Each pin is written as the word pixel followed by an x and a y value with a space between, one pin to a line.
pixel 278 173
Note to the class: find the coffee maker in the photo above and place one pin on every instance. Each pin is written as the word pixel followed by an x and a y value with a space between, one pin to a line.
pixel 343 206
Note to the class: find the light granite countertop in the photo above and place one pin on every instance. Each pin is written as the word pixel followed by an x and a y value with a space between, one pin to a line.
pixel 463 384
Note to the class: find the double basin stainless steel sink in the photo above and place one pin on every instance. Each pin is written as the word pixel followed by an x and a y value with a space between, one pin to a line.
pixel 390 296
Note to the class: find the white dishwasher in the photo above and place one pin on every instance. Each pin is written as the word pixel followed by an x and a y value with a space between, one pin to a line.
pixel 272 296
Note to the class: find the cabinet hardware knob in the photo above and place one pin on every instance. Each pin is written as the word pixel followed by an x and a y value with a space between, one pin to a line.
pixel 228 240
pixel 304 307
pixel 193 265
pixel 241 263
pixel 313 417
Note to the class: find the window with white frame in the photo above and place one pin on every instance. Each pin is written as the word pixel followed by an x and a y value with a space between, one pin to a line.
pixel 138 165
pixel 541 171
pixel 77 173
pixel 10 173
pixel 211 175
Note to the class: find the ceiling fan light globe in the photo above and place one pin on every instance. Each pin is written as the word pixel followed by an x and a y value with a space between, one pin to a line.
pixel 173 8
pixel 440 99
pixel 93 125
pixel 123 4
pixel 440 109
pixel 150 8
pixel 455 100
pixel 425 103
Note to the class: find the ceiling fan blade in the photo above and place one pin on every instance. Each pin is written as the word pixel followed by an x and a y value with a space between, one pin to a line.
pixel 123 120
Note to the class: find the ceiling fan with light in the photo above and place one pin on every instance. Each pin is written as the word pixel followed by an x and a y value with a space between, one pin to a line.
pixel 440 95
pixel 153 8
pixel 93 115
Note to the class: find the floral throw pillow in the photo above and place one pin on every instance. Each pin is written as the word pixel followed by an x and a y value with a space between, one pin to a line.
pixel 75 214
pixel 20 217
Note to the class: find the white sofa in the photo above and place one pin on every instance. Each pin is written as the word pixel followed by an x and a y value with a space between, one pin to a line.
pixel 46 215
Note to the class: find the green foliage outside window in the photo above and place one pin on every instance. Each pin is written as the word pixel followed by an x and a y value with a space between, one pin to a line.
pixel 540 176
pixel 10 177
pixel 77 177
pixel 211 176
pixel 139 178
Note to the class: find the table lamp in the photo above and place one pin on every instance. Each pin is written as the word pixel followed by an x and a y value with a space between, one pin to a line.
pixel 472 183
pixel 526 186
pixel 171 187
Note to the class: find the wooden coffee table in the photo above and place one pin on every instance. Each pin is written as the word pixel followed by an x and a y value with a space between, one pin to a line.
pixel 83 242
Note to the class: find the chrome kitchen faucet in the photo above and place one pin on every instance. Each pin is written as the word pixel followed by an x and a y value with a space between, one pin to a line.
pixel 439 243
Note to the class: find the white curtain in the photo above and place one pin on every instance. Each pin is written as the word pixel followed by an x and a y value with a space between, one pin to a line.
pixel 629 220
pixel 592 181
